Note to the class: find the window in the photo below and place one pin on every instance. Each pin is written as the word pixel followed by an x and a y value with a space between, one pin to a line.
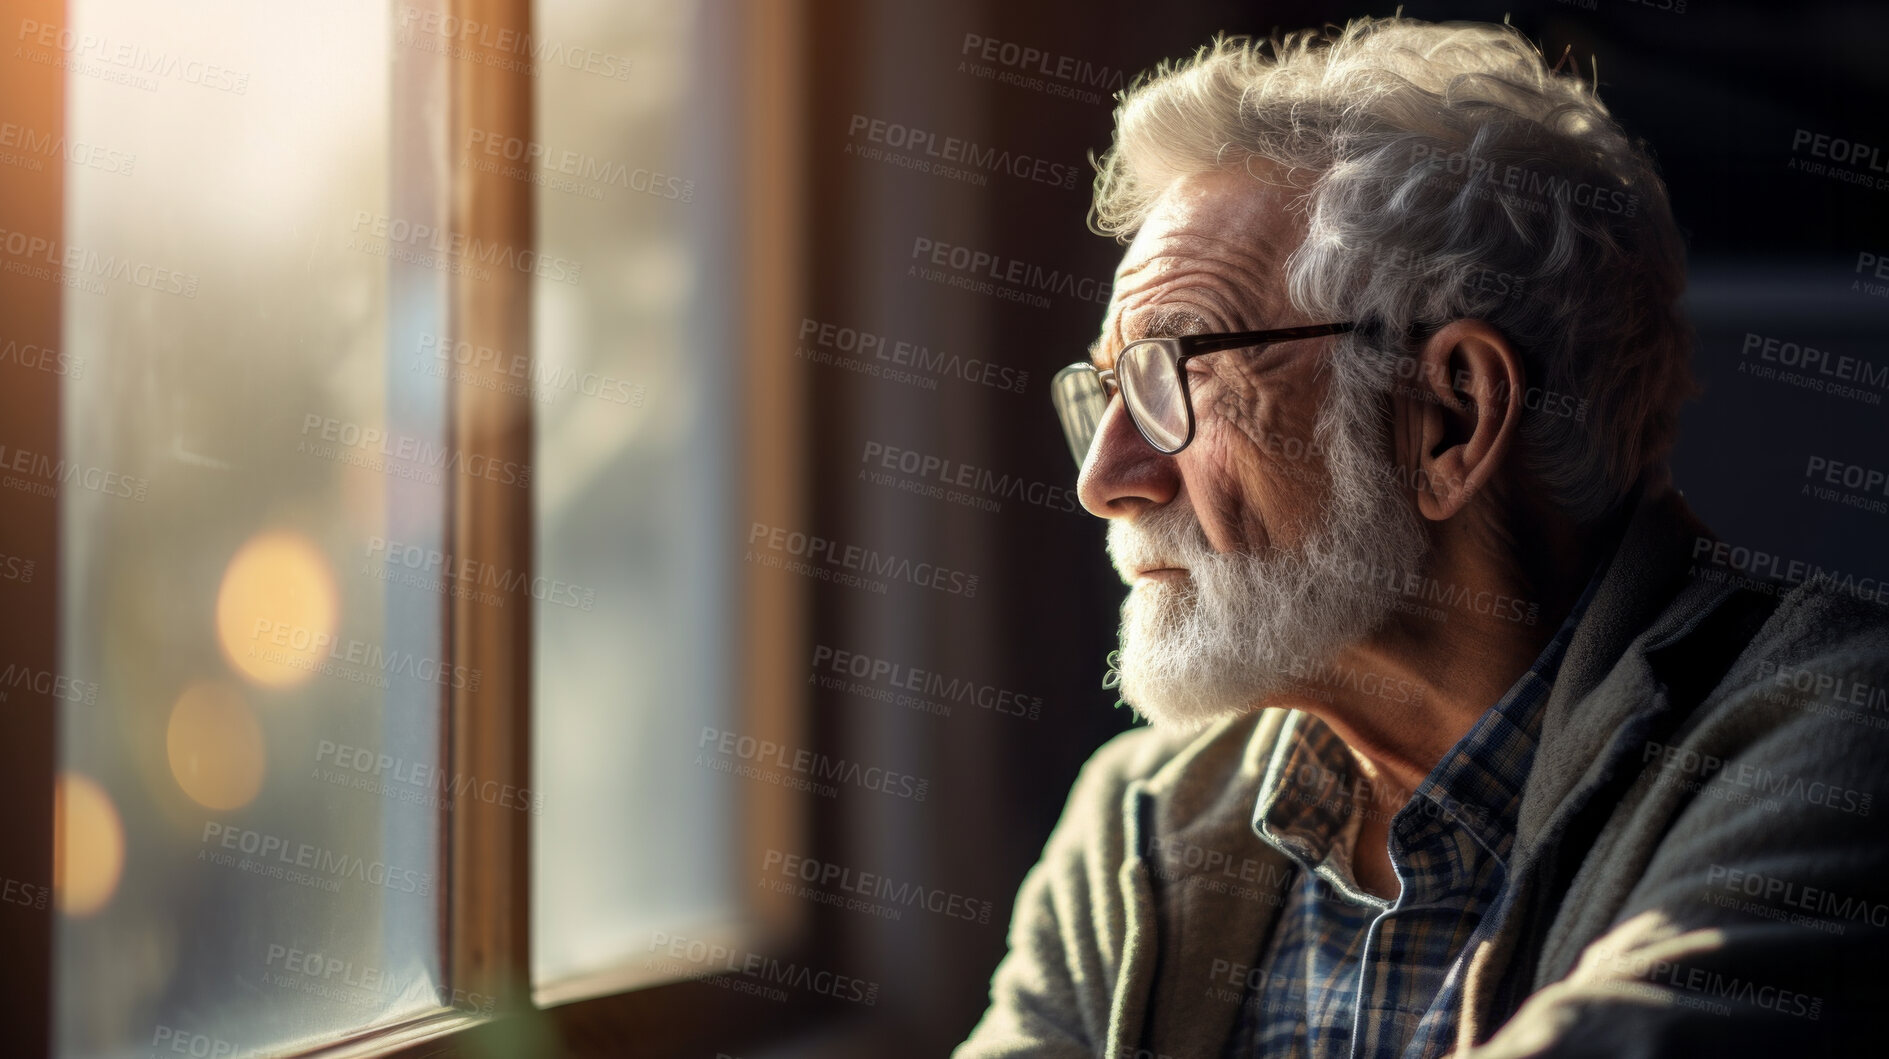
pixel 634 503
pixel 252 846
pixel 395 485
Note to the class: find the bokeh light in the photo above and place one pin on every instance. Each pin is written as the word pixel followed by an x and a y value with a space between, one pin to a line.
pixel 215 746
pixel 88 853
pixel 276 611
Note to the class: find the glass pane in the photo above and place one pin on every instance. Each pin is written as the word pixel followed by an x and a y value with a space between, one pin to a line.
pixel 250 788
pixel 634 482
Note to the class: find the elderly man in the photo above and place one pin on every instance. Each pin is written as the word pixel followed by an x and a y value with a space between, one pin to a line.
pixel 1460 742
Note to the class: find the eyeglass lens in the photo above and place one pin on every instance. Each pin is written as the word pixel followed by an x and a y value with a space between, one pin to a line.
pixel 1080 399
pixel 1151 382
pixel 1151 386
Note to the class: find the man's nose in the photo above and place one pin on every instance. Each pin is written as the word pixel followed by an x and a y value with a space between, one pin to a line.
pixel 1123 474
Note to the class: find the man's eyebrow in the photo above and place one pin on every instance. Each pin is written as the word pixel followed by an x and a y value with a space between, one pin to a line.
pixel 1173 323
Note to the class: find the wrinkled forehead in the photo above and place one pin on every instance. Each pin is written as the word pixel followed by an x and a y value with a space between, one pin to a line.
pixel 1221 238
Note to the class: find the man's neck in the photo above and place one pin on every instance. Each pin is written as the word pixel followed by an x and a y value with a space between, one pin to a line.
pixel 1480 613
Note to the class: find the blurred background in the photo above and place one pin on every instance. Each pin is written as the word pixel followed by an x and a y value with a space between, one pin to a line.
pixel 537 528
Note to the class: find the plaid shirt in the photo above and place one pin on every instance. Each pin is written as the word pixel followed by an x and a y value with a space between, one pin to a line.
pixel 1349 973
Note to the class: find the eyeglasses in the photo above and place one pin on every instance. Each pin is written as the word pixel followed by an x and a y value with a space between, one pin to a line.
pixel 1153 382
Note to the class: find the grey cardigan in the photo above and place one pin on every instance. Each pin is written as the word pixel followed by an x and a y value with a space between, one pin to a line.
pixel 1699 866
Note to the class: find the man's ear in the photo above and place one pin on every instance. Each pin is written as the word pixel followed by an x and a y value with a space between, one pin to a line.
pixel 1457 414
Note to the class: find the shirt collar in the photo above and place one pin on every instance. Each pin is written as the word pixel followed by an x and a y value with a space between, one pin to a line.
pixel 1306 801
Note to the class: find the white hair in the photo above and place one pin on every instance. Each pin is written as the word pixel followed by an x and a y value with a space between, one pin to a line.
pixel 1446 173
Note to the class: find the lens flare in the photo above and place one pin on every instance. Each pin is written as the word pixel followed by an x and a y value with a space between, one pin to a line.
pixel 276 611
pixel 88 845
pixel 215 746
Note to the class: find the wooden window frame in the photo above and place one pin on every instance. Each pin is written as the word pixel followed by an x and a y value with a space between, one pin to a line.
pixel 33 202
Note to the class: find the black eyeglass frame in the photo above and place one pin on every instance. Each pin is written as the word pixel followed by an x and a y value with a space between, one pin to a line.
pixel 1184 348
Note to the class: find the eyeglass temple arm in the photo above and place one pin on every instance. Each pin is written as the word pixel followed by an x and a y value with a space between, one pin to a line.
pixel 1194 345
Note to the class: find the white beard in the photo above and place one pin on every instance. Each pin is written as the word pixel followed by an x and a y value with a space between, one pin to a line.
pixel 1218 642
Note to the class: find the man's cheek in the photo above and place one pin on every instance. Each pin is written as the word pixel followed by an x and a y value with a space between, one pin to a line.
pixel 1280 478
pixel 1229 488
pixel 1278 448
pixel 1269 499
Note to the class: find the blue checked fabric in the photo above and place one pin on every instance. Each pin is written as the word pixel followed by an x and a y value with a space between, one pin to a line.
pixel 1348 974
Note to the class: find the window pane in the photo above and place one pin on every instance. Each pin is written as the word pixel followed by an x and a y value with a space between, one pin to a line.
pixel 634 479
pixel 250 781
